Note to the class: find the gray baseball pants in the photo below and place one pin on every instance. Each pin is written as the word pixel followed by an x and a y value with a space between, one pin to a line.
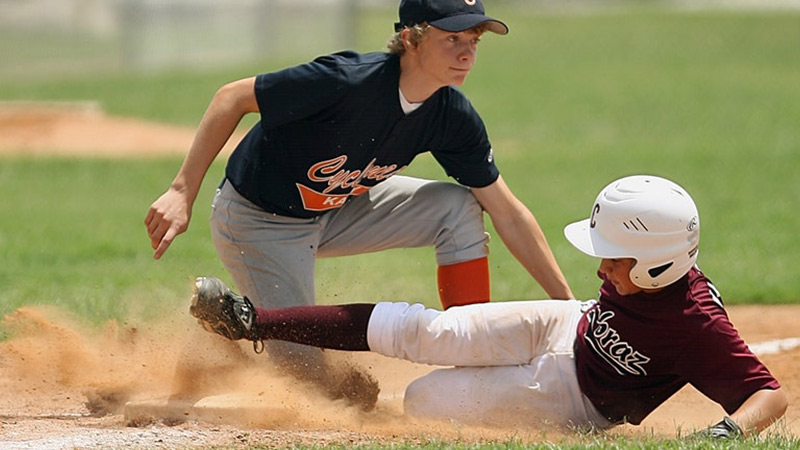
pixel 514 362
pixel 271 258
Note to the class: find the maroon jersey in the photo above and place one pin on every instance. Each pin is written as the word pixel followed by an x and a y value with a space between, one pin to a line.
pixel 635 351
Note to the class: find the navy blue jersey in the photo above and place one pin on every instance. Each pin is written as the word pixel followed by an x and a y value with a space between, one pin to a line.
pixel 633 352
pixel 334 127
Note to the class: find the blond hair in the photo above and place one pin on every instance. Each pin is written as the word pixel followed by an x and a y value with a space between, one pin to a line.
pixel 396 45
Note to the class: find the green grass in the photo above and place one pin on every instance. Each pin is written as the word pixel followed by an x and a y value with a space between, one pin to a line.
pixel 74 237
pixel 587 443
pixel 707 99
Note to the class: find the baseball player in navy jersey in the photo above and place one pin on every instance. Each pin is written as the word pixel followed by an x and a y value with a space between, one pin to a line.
pixel 657 325
pixel 318 175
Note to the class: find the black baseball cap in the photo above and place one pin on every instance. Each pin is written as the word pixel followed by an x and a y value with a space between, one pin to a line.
pixel 447 15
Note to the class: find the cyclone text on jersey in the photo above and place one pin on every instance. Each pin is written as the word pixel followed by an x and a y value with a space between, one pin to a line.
pixel 331 172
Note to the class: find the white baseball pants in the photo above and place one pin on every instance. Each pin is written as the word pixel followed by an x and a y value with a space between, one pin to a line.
pixel 514 361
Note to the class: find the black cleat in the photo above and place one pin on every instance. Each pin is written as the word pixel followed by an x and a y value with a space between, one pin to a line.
pixel 219 310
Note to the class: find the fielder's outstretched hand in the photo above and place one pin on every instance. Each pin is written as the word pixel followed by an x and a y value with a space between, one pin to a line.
pixel 167 217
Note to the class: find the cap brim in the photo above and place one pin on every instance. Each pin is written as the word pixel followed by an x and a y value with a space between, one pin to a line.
pixel 578 235
pixel 463 22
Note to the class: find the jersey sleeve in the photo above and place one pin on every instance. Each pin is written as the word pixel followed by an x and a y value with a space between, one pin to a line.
pixel 298 92
pixel 463 149
pixel 720 364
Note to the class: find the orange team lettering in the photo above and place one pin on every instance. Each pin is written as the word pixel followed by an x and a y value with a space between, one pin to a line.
pixel 330 171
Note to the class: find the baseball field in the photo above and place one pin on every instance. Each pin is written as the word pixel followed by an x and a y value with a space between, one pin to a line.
pixel 571 99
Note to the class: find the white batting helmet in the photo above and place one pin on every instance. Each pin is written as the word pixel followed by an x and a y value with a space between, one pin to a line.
pixel 647 218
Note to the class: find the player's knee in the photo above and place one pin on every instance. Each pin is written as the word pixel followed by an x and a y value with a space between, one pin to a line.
pixel 460 199
pixel 440 395
pixel 419 399
pixel 460 212
pixel 470 211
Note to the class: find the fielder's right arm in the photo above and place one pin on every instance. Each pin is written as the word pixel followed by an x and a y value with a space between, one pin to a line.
pixel 169 215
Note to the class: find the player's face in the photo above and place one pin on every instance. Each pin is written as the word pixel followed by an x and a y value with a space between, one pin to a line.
pixel 447 57
pixel 618 272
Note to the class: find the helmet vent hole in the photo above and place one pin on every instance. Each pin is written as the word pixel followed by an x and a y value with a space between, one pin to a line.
pixel 637 225
pixel 656 271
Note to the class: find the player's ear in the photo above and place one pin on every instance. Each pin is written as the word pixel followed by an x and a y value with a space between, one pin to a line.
pixel 405 36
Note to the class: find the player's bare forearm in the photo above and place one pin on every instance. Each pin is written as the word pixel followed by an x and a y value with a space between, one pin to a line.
pixel 760 410
pixel 170 214
pixel 229 105
pixel 520 232
pixel 526 241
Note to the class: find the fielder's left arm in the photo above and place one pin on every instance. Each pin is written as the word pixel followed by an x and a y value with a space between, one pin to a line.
pixel 521 233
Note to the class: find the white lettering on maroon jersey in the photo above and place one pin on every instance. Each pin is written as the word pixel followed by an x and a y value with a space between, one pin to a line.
pixel 606 342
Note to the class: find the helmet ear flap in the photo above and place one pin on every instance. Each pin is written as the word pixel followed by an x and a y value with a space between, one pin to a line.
pixel 656 271
pixel 648 278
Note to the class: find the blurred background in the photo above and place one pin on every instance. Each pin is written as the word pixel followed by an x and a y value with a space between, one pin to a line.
pixel 75 36
pixel 52 37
